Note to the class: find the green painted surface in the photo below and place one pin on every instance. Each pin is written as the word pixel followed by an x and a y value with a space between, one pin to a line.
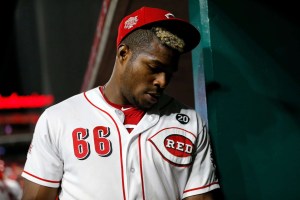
pixel 250 56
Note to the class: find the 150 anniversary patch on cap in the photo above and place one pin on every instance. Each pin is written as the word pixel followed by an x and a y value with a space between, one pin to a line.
pixel 159 17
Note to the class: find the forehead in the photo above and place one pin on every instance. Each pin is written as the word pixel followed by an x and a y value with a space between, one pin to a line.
pixel 159 53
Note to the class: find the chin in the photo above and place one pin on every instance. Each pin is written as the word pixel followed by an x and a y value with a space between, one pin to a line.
pixel 144 106
pixel 147 106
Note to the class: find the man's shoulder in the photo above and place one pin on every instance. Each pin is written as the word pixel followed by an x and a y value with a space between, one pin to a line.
pixel 168 102
pixel 71 101
pixel 170 109
pixel 74 102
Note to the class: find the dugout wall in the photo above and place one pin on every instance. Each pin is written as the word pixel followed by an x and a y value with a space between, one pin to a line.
pixel 250 56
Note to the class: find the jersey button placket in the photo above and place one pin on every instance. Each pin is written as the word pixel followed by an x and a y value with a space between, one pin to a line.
pixel 134 177
pixel 121 115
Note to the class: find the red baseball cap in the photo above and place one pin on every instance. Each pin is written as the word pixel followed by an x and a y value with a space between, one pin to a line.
pixel 163 18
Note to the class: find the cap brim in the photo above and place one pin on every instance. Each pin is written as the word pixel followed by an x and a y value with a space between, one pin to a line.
pixel 182 29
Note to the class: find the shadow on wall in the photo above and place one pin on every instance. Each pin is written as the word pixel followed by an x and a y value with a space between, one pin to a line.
pixel 253 108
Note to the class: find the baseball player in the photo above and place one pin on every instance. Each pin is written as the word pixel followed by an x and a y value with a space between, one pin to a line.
pixel 127 139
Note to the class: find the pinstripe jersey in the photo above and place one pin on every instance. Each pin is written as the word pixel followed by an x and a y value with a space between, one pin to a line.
pixel 82 146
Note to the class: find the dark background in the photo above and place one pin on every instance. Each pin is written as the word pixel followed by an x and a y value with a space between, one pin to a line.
pixel 45 47
pixel 252 85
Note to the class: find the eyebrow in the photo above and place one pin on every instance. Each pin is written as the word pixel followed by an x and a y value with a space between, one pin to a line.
pixel 157 62
pixel 164 66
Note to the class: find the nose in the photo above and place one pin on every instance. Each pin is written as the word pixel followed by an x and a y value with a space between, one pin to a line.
pixel 162 80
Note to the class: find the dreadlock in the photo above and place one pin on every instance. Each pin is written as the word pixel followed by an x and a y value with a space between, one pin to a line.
pixel 141 39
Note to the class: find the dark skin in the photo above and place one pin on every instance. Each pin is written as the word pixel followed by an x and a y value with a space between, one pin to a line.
pixel 138 82
pixel 33 191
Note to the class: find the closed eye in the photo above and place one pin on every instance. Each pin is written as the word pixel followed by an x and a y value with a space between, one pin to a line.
pixel 155 69
pixel 159 69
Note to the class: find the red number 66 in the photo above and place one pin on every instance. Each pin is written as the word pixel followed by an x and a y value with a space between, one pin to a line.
pixel 101 143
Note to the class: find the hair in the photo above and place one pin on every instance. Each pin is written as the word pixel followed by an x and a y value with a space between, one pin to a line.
pixel 168 38
pixel 141 39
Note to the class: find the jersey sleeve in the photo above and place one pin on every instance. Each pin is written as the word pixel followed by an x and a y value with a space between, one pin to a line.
pixel 203 176
pixel 43 165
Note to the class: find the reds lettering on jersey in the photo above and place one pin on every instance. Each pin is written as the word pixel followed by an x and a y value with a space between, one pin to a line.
pixel 89 153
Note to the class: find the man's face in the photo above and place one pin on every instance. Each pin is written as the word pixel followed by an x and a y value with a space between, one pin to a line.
pixel 146 76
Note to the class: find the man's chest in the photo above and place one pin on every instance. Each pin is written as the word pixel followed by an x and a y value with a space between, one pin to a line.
pixel 107 141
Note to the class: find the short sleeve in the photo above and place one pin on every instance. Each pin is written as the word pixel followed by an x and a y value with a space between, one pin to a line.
pixel 43 165
pixel 203 176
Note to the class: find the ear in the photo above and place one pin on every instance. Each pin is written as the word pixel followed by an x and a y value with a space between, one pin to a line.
pixel 123 52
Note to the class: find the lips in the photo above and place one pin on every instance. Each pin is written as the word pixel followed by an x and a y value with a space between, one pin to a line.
pixel 153 97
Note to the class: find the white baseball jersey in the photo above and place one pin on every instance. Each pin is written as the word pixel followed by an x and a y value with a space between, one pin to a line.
pixel 82 145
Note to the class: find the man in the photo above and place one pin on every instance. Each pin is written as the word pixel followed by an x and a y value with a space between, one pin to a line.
pixel 9 188
pixel 126 139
